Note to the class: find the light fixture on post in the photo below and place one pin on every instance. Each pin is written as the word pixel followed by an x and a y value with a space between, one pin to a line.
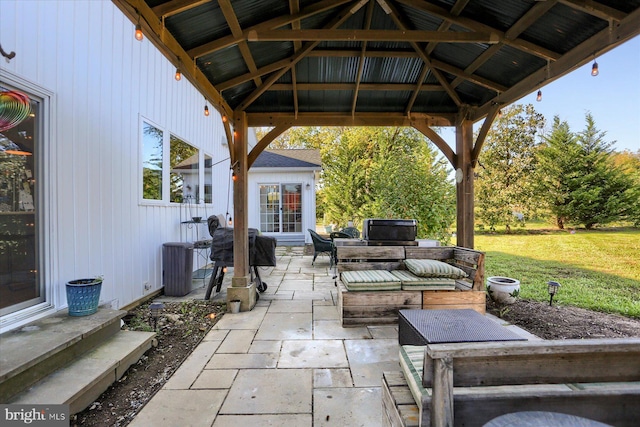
pixel 155 309
pixel 553 289
pixel 539 96
pixel 594 68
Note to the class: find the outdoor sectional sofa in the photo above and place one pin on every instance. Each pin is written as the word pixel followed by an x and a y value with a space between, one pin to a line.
pixel 376 281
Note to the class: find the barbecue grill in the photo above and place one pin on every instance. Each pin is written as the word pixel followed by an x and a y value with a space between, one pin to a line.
pixel 390 232
pixel 262 253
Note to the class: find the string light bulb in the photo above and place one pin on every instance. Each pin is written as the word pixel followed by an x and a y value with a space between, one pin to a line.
pixel 138 34
pixel 230 221
pixel 224 118
pixel 594 68
pixel 206 110
pixel 178 75
pixel 539 96
pixel 500 112
pixel 234 177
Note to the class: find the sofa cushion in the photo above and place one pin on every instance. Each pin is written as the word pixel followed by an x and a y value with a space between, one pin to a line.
pixel 410 281
pixel 412 362
pixel 433 268
pixel 370 280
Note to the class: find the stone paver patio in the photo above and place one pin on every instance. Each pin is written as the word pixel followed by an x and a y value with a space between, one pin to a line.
pixel 288 362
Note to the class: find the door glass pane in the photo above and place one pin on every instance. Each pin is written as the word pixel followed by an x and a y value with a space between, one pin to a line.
pixel 152 138
pixel 208 179
pixel 20 132
pixel 184 169
pixel 291 208
pixel 269 208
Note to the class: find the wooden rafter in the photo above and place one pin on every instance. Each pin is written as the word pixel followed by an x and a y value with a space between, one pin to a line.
pixel 482 133
pixel 385 87
pixel 479 27
pixel 417 36
pixel 294 8
pixel 346 119
pixel 401 23
pixel 270 24
pixel 338 19
pixel 176 6
pixel 361 59
pixel 236 31
pixel 427 131
pixel 596 9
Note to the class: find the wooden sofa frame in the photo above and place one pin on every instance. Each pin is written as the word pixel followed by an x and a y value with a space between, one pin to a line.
pixel 381 307
pixel 597 379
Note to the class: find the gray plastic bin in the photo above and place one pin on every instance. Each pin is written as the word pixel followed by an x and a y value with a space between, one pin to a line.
pixel 177 265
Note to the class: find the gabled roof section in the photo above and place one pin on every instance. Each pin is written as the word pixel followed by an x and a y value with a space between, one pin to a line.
pixel 293 158
pixel 378 62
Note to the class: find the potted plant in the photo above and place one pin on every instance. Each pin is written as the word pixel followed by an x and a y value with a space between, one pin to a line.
pixel 503 290
pixel 83 296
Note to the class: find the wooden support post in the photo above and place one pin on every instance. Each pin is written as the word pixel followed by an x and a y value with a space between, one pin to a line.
pixel 240 187
pixel 442 392
pixel 464 183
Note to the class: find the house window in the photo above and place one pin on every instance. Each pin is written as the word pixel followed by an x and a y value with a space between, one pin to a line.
pixel 184 173
pixel 21 139
pixel 171 168
pixel 281 208
pixel 152 147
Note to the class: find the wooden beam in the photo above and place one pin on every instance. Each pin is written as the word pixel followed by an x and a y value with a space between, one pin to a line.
pixel 596 9
pixel 224 42
pixel 346 119
pixel 386 87
pixel 176 6
pixel 264 143
pixel 531 16
pixel 402 24
pixel 370 53
pixel 481 81
pixel 471 68
pixel 373 36
pixel 464 184
pixel 427 131
pixel 267 69
pixel 416 90
pixel 482 134
pixel 236 31
pixel 137 10
pixel 361 59
pixel 338 20
pixel 600 43
pixel 240 217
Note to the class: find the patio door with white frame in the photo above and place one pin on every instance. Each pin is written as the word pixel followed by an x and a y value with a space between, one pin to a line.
pixel 281 208
pixel 20 138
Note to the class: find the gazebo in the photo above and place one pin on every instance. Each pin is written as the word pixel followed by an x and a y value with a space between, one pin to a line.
pixel 419 63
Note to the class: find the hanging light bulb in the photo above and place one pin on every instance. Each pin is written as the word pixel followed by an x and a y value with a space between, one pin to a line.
pixel 206 110
pixel 500 112
pixel 230 221
pixel 224 118
pixel 234 177
pixel 138 34
pixel 594 68
pixel 539 96
pixel 178 75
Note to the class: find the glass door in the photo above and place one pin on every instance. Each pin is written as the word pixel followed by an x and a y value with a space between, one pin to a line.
pixel 281 208
pixel 20 130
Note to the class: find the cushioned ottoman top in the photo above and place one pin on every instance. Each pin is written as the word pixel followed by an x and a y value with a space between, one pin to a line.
pixel 411 281
pixel 370 280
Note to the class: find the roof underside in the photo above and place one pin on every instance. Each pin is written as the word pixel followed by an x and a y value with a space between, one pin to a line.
pixel 308 62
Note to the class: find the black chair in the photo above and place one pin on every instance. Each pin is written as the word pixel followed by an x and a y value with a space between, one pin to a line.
pixel 339 235
pixel 322 245
pixel 353 232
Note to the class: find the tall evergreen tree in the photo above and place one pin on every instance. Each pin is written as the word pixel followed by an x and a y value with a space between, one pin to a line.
pixel 505 184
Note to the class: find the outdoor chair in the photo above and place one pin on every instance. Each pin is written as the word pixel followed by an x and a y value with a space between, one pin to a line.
pixel 339 235
pixel 353 232
pixel 322 245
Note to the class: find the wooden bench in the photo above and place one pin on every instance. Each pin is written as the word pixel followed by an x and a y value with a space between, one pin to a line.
pixel 381 307
pixel 471 383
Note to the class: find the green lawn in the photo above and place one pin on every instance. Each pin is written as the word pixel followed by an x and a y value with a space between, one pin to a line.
pixel 598 270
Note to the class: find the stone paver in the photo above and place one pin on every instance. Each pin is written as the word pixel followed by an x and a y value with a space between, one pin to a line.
pixel 183 408
pixel 270 391
pixel 353 407
pixel 313 354
pixel 369 358
pixel 237 341
pixel 285 326
pixel 215 379
pixel 271 420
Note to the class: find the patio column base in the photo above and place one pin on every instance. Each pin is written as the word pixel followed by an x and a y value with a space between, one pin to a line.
pixel 245 294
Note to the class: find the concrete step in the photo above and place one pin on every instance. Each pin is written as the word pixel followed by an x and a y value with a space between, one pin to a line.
pixel 33 351
pixel 85 379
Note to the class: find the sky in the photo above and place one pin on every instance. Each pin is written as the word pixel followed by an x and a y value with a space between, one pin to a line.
pixel 612 97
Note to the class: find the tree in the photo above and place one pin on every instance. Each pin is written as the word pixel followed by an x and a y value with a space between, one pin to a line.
pixel 381 173
pixel 557 169
pixel 580 181
pixel 602 193
pixel 505 183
